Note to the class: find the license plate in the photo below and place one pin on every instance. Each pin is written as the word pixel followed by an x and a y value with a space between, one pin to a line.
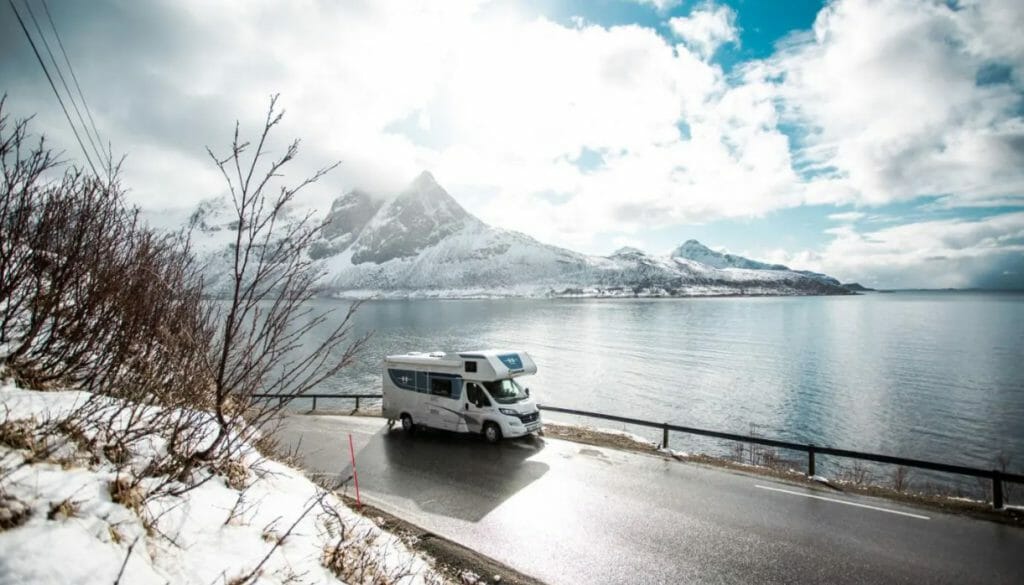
pixel 533 428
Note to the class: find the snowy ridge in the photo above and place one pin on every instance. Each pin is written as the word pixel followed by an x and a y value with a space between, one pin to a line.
pixel 694 250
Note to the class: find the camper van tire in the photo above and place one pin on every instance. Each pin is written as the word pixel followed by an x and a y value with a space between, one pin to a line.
pixel 492 433
pixel 407 424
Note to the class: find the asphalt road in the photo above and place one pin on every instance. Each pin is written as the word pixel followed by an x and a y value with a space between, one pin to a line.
pixel 570 513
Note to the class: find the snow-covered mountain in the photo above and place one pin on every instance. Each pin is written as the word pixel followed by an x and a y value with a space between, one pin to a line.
pixel 698 252
pixel 421 242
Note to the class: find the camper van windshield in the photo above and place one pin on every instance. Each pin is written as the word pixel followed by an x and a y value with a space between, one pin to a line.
pixel 505 391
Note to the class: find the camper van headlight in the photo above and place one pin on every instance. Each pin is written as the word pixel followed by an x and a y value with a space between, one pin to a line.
pixel 509 412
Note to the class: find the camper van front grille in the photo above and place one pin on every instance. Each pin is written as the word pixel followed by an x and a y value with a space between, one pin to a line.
pixel 529 418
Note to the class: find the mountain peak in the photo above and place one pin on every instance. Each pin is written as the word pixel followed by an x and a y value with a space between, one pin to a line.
pixel 698 252
pixel 419 217
pixel 425 196
pixel 692 247
pixel 629 251
pixel 425 180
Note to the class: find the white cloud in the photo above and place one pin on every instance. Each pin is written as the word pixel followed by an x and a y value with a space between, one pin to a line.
pixel 660 5
pixel 498 104
pixel 954 253
pixel 904 98
pixel 847 216
pixel 706 28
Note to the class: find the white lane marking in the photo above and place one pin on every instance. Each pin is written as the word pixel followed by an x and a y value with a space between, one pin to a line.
pixel 918 516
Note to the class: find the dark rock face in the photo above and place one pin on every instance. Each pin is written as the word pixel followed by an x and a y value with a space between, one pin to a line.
pixel 421 216
pixel 348 216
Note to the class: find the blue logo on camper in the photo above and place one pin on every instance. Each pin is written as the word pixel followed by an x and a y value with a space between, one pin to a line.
pixel 511 361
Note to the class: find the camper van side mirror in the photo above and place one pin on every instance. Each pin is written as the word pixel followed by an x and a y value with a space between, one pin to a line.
pixel 527 391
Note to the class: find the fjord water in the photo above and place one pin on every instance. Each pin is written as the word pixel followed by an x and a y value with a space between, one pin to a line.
pixel 931 375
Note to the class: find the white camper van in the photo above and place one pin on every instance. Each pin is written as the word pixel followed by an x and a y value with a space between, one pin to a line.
pixel 468 392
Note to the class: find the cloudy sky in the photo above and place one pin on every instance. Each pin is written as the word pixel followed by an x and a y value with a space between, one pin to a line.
pixel 876 140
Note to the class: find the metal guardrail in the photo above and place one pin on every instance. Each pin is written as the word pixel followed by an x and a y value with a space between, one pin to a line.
pixel 996 476
pixel 288 398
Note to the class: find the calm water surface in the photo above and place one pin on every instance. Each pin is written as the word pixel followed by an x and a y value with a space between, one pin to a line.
pixel 924 375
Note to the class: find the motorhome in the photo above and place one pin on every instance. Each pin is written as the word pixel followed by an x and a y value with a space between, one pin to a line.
pixel 467 392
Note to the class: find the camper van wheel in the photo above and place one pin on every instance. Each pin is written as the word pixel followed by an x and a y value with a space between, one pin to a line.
pixel 407 425
pixel 492 433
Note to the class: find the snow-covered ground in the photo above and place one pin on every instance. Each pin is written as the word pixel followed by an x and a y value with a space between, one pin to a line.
pixel 264 523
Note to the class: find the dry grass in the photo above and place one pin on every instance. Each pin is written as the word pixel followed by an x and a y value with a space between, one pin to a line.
pixel 19 434
pixel 598 438
pixel 270 447
pixel 128 494
pixel 13 512
pixel 62 510
pixel 234 473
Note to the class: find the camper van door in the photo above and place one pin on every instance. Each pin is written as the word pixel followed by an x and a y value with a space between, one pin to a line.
pixel 445 400
pixel 478 405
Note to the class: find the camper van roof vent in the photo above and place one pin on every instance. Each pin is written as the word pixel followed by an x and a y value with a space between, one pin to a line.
pixel 437 354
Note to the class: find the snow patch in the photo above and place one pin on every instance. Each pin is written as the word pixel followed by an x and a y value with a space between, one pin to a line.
pixel 211 534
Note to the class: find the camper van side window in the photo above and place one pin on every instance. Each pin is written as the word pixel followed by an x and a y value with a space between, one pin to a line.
pixel 470 366
pixel 476 395
pixel 441 387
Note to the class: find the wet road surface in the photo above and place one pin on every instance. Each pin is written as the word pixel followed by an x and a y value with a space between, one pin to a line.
pixel 570 513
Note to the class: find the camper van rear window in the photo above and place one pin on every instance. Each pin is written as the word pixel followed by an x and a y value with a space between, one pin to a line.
pixel 470 366
pixel 404 379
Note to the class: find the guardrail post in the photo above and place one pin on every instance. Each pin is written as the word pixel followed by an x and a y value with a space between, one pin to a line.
pixel 664 436
pixel 314 403
pixel 810 461
pixel 357 404
pixel 280 401
pixel 997 489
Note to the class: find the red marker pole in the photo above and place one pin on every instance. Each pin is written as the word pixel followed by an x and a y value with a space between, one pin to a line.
pixel 355 476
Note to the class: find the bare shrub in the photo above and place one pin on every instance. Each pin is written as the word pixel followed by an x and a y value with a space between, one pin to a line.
pixel 266 314
pixel 858 474
pixel 901 479
pixel 90 297
pixel 354 556
pixel 738 450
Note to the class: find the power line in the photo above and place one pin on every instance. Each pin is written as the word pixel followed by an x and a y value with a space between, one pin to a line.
pixel 52 85
pixel 88 111
pixel 63 81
